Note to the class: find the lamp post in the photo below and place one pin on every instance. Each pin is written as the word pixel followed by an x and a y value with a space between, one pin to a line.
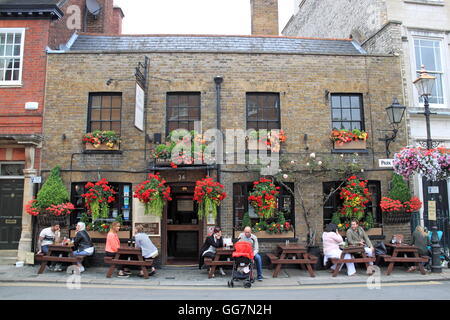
pixel 424 85
pixel 395 114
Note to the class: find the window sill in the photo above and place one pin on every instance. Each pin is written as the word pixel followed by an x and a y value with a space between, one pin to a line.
pixel 364 151
pixel 12 85
pixel 425 2
pixel 103 152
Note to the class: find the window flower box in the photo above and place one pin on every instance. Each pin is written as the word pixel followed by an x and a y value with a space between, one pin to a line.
pixel 101 147
pixel 101 141
pixel 349 140
pixel 352 145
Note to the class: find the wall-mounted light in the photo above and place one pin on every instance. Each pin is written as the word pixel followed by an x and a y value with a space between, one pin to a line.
pixel 395 114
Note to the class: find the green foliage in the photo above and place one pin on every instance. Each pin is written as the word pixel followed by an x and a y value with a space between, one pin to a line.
pixel 260 226
pixel 336 218
pixel 53 191
pixel 246 221
pixel 399 190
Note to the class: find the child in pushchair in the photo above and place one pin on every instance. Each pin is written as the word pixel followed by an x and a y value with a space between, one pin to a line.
pixel 243 264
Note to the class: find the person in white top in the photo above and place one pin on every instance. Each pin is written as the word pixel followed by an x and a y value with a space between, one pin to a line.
pixel 331 241
pixel 48 236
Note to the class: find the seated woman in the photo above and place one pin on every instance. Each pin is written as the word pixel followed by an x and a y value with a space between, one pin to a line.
pixel 331 240
pixel 82 243
pixel 149 251
pixel 208 249
pixel 421 241
pixel 113 245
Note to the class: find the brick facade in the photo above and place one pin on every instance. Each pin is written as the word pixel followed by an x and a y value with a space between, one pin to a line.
pixel 302 80
pixel 264 17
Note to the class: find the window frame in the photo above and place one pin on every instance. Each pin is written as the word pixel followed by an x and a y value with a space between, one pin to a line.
pixel 22 50
pixel 277 94
pixel 247 187
pixel 337 202
pixel 74 197
pixel 182 93
pixel 89 116
pixel 361 109
pixel 414 71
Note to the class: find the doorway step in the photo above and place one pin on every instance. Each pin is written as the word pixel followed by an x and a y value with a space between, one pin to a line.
pixel 8 257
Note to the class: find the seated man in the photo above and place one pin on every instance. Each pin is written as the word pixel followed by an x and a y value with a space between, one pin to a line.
pixel 357 237
pixel 149 251
pixel 49 236
pixel 249 237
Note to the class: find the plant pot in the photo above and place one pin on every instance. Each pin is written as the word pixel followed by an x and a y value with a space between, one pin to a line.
pixel 398 217
pixel 46 220
pixel 101 147
pixel 352 145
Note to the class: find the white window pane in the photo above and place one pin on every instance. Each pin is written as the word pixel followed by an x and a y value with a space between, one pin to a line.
pixel 9 38
pixel 17 51
pixel 2 38
pixel 18 38
pixel 9 50
pixel 336 114
pixel 16 75
pixel 356 115
pixel 346 114
pixel 335 101
pixel 428 59
pixel 345 102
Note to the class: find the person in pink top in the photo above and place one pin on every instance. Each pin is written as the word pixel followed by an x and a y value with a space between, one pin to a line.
pixel 331 241
pixel 113 245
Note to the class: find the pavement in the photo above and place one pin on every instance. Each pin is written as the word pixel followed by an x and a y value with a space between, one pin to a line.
pixel 193 277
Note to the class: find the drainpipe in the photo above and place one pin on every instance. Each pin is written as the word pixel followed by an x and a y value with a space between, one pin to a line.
pixel 218 81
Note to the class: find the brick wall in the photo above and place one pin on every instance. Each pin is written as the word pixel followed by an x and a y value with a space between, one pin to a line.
pixel 301 80
pixel 264 17
pixel 117 21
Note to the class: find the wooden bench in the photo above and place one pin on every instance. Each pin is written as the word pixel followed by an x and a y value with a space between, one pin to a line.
pixel 140 262
pixel 59 250
pixel 399 250
pixel 351 250
pixel 302 258
pixel 214 264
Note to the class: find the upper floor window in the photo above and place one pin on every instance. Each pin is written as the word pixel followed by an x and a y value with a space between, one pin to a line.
pixel 183 109
pixel 11 56
pixel 263 111
pixel 347 111
pixel 104 112
pixel 428 53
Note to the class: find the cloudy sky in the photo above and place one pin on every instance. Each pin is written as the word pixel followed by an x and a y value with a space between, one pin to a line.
pixel 193 16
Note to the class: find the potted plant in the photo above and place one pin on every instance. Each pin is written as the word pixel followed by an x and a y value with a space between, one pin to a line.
pixel 52 201
pixel 98 197
pixel 208 194
pixel 346 139
pixel 263 198
pixel 399 204
pixel 152 193
pixel 101 140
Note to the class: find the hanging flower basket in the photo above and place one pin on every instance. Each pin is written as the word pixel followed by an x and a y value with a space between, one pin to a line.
pixel 54 214
pixel 396 212
pixel 396 217
pixel 152 193
pixel 208 194
pixel 98 197
pixel 264 197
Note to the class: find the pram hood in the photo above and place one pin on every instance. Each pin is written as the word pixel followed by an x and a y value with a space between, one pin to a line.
pixel 243 249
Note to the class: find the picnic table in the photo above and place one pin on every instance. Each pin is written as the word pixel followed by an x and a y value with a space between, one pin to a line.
pixel 400 249
pixel 292 254
pixel 225 252
pixel 122 257
pixel 53 255
pixel 351 250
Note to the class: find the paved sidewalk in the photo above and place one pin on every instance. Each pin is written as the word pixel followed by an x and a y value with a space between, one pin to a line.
pixel 172 276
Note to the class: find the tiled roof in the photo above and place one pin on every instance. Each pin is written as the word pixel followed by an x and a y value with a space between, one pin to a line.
pixel 212 43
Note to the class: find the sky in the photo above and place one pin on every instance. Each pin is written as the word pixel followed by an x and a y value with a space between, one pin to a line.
pixel 228 17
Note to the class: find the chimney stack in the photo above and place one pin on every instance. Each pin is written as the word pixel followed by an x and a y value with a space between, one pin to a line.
pixel 264 17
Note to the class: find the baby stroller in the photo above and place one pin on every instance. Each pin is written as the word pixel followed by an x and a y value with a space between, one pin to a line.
pixel 243 264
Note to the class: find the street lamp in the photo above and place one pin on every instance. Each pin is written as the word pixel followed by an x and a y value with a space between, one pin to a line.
pixel 395 114
pixel 424 85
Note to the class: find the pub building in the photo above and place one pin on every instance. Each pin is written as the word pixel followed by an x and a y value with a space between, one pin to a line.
pixel 303 86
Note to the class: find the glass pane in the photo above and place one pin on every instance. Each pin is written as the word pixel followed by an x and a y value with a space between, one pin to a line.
pixel 183 113
pixel 252 111
pixel 9 63
pixel 336 125
pixel 18 38
pixel 260 100
pixel 337 114
pixel 16 75
pixel 194 113
pixel 8 75
pixel 183 125
pixel 9 50
pixel 2 50
pixel 354 100
pixel 2 38
pixel 115 126
pixel 345 101
pixel 437 94
pixel 346 114
pixel 356 114
pixel 106 114
pixel 183 101
pixel 172 114
pixel 116 101
pixel 115 114
pixel 345 125
pixel 10 38
pixel 418 58
pixel 16 64
pixel 95 126
pixel 270 114
pixel 172 100
pixel 17 51
pixel 95 114
pixel 252 125
pixel 11 169
pixel 356 125
pixel 106 101
pixel 273 125
pixel 271 101
pixel 194 100
pixel 335 101
pixel 172 126
pixel 96 101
